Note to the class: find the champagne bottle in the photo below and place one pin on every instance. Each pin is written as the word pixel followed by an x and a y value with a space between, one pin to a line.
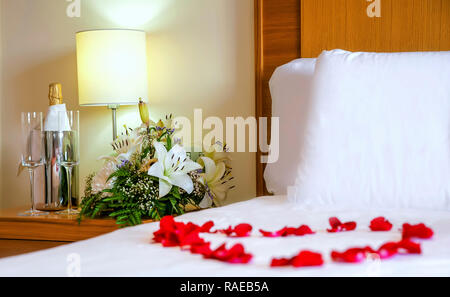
pixel 56 186
pixel 55 94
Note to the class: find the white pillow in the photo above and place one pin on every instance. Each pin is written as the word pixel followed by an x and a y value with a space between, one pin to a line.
pixel 378 132
pixel 290 86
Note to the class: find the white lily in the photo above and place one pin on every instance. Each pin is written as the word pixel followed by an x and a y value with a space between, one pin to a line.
pixel 100 181
pixel 125 146
pixel 215 179
pixel 218 153
pixel 172 169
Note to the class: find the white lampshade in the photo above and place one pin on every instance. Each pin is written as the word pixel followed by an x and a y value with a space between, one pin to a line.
pixel 112 67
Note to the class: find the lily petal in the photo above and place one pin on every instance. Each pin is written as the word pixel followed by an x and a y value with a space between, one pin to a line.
pixel 160 151
pixel 157 170
pixel 183 181
pixel 190 165
pixel 206 201
pixel 164 188
pixel 220 171
pixel 178 151
pixel 210 168
pixel 176 155
pixel 219 191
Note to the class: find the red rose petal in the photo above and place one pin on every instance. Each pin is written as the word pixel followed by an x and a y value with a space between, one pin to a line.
pixel 287 231
pixel 349 226
pixel 334 222
pixel 380 224
pixel 203 249
pixel 303 230
pixel 352 255
pixel 390 249
pixel 410 247
pixel 220 253
pixel 206 227
pixel 241 230
pixel 227 231
pixel 173 233
pixel 418 231
pixel 235 255
pixel 307 258
pixel 387 250
pixel 269 234
pixel 338 226
pixel 302 259
pixel 280 262
pixel 191 238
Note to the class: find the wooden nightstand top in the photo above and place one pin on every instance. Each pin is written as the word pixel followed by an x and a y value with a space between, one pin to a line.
pixel 19 235
pixel 52 227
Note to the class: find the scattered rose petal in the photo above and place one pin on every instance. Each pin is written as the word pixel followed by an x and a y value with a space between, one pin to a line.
pixel 241 230
pixel 303 230
pixel 410 247
pixel 307 258
pixel 302 259
pixel 380 224
pixel 173 233
pixel 186 236
pixel 388 250
pixel 405 246
pixel 235 255
pixel 206 227
pixel 418 231
pixel 349 226
pixel 201 248
pixel 335 222
pixel 338 226
pixel 270 234
pixel 278 262
pixel 352 255
pixel 287 231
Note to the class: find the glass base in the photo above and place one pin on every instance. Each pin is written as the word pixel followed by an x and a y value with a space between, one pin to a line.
pixel 33 213
pixel 68 212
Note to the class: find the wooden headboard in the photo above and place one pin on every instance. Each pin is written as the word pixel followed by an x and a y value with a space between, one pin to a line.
pixel 289 29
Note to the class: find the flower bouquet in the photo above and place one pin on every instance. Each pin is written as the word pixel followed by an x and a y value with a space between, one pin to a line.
pixel 150 175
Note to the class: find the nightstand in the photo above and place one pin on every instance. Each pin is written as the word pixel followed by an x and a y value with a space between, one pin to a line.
pixel 19 235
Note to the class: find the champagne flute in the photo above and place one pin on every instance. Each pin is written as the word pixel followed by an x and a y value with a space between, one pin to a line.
pixel 33 154
pixel 69 155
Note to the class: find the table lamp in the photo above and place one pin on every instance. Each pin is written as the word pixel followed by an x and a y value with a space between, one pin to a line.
pixel 112 68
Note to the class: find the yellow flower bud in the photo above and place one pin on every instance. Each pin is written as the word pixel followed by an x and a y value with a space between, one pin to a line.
pixel 143 112
pixel 160 124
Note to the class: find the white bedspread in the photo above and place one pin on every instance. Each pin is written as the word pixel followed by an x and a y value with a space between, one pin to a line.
pixel 129 252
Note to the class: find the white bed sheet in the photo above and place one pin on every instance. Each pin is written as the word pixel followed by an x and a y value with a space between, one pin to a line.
pixel 129 252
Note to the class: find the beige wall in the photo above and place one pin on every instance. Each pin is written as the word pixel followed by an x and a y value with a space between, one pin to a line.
pixel 200 56
pixel 1 106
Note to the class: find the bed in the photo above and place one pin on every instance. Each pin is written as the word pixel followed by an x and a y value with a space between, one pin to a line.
pixel 284 32
pixel 129 252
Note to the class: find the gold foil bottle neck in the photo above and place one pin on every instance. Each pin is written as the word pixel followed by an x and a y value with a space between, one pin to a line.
pixel 55 94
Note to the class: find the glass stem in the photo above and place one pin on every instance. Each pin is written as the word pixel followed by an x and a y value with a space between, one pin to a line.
pixel 69 183
pixel 31 171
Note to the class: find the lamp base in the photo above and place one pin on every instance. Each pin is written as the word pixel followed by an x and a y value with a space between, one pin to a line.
pixel 114 108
